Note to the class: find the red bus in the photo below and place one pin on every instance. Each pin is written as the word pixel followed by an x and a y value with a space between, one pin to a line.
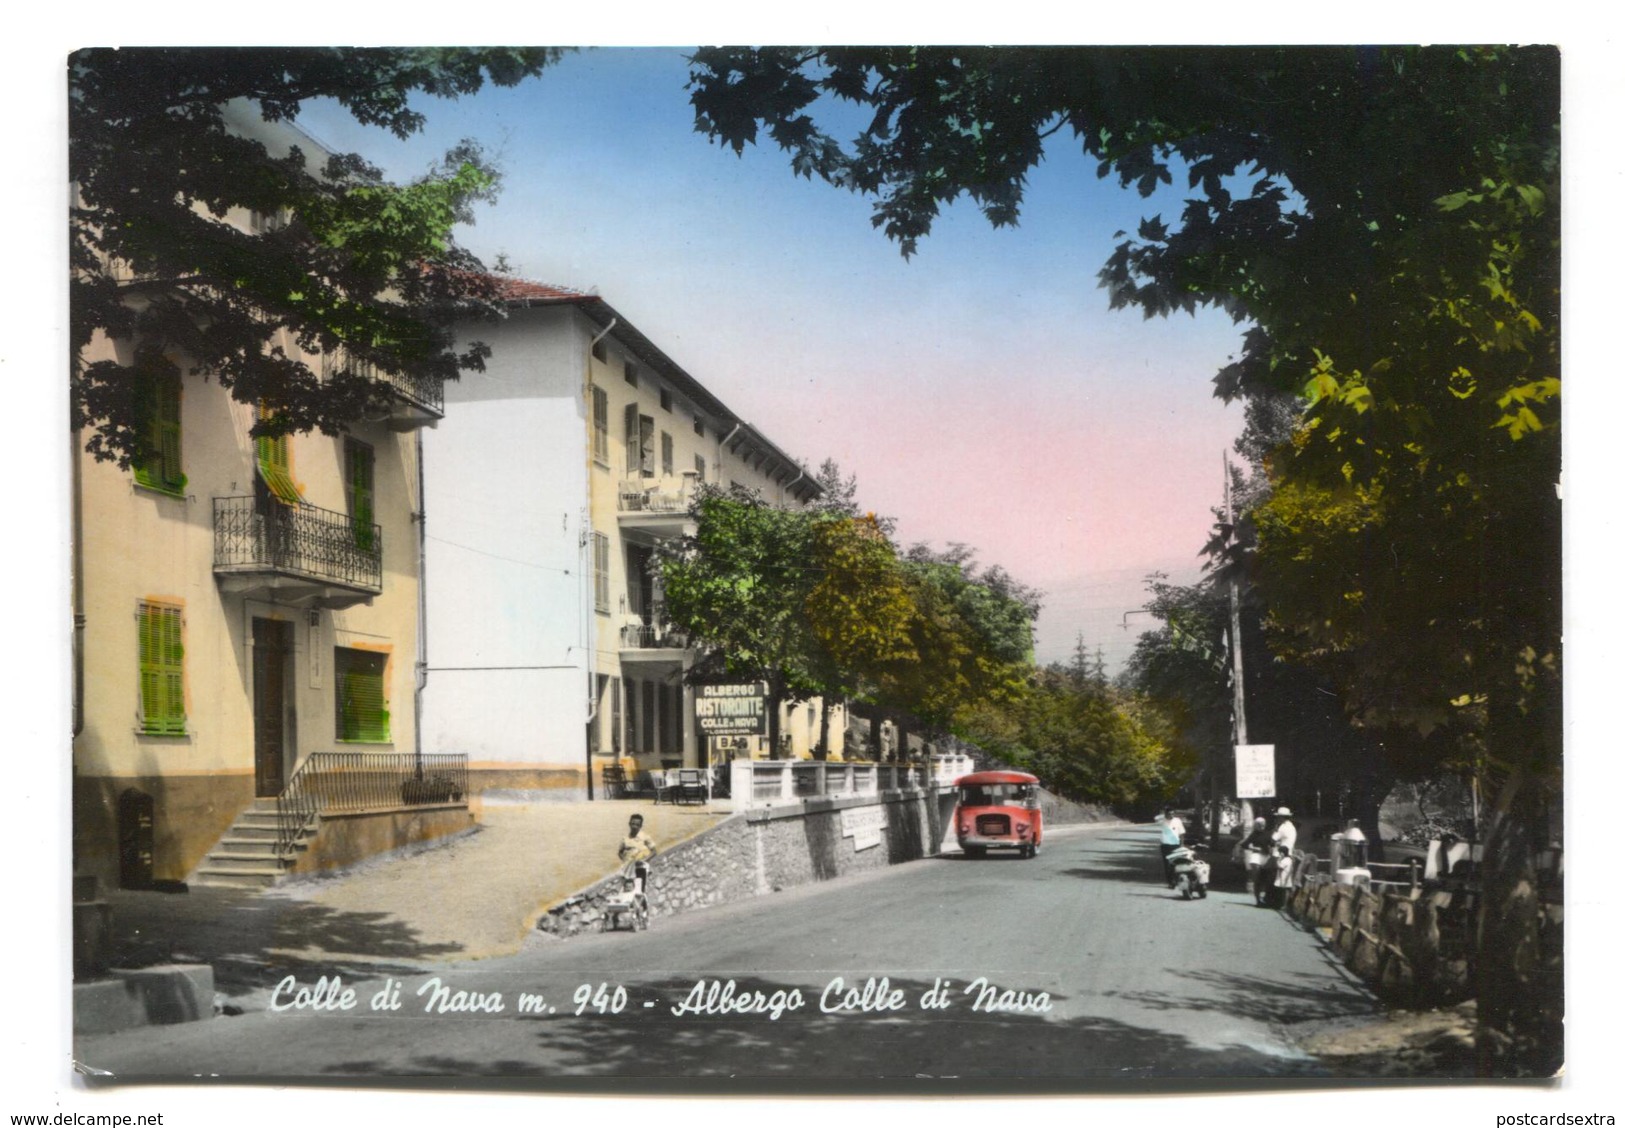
pixel 998 811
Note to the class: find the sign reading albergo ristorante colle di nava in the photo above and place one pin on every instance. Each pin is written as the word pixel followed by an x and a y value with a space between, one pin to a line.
pixel 733 709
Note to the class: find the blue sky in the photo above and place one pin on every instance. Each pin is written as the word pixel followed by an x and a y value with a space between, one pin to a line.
pixel 981 392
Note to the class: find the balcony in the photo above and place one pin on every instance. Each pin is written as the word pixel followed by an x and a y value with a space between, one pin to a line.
pixel 657 507
pixel 295 554
pixel 415 401
pixel 649 642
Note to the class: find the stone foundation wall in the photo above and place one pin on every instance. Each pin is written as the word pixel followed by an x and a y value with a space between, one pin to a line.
pixel 190 813
pixel 348 838
pixel 764 851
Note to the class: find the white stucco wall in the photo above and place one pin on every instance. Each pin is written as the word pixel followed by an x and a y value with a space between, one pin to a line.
pixel 507 576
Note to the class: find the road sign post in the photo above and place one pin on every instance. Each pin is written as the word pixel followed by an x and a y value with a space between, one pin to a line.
pixel 1255 771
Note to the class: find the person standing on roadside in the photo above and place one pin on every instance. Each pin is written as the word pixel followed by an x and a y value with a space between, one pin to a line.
pixel 636 850
pixel 1254 851
pixel 1286 840
pixel 1173 836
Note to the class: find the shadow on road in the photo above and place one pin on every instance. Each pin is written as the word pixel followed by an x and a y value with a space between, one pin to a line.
pixel 1296 998
pixel 253 939
pixel 822 1050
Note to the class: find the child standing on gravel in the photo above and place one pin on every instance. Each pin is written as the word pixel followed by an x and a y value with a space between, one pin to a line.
pixel 636 850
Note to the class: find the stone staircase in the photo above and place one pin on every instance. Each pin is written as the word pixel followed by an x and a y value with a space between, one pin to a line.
pixel 246 855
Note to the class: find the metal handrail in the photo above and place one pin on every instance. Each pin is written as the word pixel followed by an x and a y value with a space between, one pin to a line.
pixel 337 782
pixel 647 636
pixel 300 540
pixel 424 391
pixel 640 497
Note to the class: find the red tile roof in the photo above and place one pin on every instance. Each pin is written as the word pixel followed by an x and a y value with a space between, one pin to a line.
pixel 520 289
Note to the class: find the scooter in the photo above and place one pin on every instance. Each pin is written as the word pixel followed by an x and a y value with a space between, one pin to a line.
pixel 1190 872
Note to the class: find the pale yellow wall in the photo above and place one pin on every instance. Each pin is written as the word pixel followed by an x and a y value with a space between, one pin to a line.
pixel 606 477
pixel 139 544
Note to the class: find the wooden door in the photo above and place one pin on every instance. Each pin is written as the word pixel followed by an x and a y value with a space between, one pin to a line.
pixel 273 645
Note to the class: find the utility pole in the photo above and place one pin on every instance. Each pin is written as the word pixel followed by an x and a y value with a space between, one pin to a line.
pixel 1239 709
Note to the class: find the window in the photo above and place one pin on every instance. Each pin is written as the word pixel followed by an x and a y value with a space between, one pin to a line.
pixel 261 223
pixel 600 352
pixel 634 712
pixel 358 678
pixel 665 399
pixel 640 437
pixel 647 714
pixel 600 573
pixel 600 426
pixel 699 467
pixel 631 374
pixel 615 716
pixel 163 674
pixel 272 455
pixel 667 459
pixel 158 426
pixel 699 426
pixel 358 492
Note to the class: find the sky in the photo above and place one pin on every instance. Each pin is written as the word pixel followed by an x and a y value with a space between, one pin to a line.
pixel 981 392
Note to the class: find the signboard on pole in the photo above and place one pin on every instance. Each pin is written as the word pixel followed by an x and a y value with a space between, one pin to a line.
pixel 1255 771
pixel 735 709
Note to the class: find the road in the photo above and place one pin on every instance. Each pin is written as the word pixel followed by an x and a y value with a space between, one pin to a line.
pixel 1098 973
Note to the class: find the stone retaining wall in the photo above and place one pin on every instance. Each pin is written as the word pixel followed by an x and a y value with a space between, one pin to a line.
pixel 349 837
pixel 774 848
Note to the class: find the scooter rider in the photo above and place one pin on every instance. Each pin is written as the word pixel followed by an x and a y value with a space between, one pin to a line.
pixel 1173 836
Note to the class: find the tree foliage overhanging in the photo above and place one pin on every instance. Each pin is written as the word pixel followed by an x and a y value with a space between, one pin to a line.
pixel 339 262
pixel 1383 222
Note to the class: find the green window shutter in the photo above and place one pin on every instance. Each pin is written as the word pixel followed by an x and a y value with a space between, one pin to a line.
pixel 363 713
pixel 162 668
pixel 358 477
pixel 158 423
pixel 271 453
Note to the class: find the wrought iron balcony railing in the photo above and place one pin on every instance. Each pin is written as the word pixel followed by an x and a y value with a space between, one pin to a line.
pixel 254 535
pixel 426 392
pixel 646 636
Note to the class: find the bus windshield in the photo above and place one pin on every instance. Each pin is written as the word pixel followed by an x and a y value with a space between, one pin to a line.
pixel 995 794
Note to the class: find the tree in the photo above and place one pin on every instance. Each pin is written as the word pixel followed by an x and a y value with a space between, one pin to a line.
pixel 860 607
pixel 819 603
pixel 739 586
pixel 1084 738
pixel 1384 223
pixel 972 632
pixel 338 261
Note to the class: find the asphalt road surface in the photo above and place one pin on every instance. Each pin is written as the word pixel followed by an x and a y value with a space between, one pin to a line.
pixel 1078 967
